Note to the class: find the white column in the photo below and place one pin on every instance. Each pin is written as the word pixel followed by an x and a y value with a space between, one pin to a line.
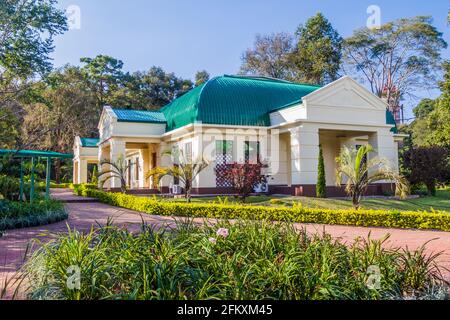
pixel 385 146
pixel 164 161
pixel 103 155
pixel 304 154
pixel 83 171
pixel 143 160
pixel 117 152
pixel 75 172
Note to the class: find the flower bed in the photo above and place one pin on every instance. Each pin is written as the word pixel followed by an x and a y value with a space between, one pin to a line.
pixel 438 220
pixel 15 215
pixel 245 260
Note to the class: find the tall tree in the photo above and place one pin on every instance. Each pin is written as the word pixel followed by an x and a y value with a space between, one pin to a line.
pixel 317 57
pixel 27 28
pixel 397 58
pixel 201 77
pixel 269 57
pixel 105 75
pixel 9 129
pixel 427 165
pixel 424 108
pixel 321 186
pixel 438 120
pixel 160 88
pixel 68 109
pixel 432 124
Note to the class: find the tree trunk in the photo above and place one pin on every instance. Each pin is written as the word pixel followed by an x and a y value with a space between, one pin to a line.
pixel 431 188
pixel 355 200
pixel 188 195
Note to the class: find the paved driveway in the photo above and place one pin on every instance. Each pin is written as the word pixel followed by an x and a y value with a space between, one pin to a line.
pixel 84 214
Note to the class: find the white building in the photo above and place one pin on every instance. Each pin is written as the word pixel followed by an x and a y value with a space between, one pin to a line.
pixel 240 118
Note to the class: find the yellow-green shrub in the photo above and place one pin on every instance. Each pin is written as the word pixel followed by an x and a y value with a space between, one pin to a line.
pixel 439 220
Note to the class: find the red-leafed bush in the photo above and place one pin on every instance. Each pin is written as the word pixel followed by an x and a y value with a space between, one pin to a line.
pixel 244 177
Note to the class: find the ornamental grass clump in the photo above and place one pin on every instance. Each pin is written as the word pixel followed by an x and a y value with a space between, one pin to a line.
pixel 14 214
pixel 240 260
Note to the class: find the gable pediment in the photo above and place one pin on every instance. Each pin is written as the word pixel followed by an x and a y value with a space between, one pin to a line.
pixel 345 93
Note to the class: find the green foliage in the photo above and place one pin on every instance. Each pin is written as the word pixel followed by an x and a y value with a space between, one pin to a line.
pixel 424 108
pixel 231 261
pixel 9 125
pixel 185 170
pixel 94 178
pixel 321 187
pixel 15 215
pixel 201 77
pixel 439 220
pixel 27 28
pixel 432 124
pixel 269 57
pixel 9 187
pixel 427 165
pixel 360 171
pixel 317 58
pixel 399 57
pixel 117 170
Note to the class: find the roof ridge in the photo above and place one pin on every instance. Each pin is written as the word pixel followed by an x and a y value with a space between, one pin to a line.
pixel 121 109
pixel 270 79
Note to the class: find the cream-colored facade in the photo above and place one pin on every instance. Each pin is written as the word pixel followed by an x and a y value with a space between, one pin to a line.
pixel 83 156
pixel 342 113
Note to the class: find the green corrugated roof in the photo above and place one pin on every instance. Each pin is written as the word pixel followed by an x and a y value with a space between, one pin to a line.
pixel 144 116
pixel 35 153
pixel 89 142
pixel 234 100
pixel 230 100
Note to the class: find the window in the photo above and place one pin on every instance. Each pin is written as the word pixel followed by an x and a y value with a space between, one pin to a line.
pixel 224 151
pixel 188 152
pixel 224 156
pixel 252 152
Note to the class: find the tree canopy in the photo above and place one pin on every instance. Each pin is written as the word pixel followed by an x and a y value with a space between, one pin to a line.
pixel 396 59
pixel 317 56
pixel 269 57
pixel 432 124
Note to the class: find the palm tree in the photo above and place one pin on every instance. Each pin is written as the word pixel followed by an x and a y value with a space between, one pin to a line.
pixel 186 170
pixel 360 172
pixel 117 170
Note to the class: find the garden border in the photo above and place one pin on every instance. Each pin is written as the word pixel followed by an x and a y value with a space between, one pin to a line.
pixel 435 220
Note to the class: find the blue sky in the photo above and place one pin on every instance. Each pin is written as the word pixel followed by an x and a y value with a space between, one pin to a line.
pixel 186 36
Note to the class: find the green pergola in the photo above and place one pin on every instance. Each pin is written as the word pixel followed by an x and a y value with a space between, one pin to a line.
pixel 34 155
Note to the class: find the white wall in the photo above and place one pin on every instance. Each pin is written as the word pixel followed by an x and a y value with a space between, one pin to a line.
pixel 297 112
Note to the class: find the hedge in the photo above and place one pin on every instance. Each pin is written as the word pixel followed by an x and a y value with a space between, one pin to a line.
pixel 438 220
pixel 15 215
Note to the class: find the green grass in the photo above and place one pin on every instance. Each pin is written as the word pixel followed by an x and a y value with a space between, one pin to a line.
pixel 252 260
pixel 440 202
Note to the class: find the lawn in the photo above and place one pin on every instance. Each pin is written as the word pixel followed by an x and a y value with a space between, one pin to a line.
pixel 440 202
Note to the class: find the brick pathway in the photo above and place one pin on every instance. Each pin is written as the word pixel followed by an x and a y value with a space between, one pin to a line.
pixel 84 214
